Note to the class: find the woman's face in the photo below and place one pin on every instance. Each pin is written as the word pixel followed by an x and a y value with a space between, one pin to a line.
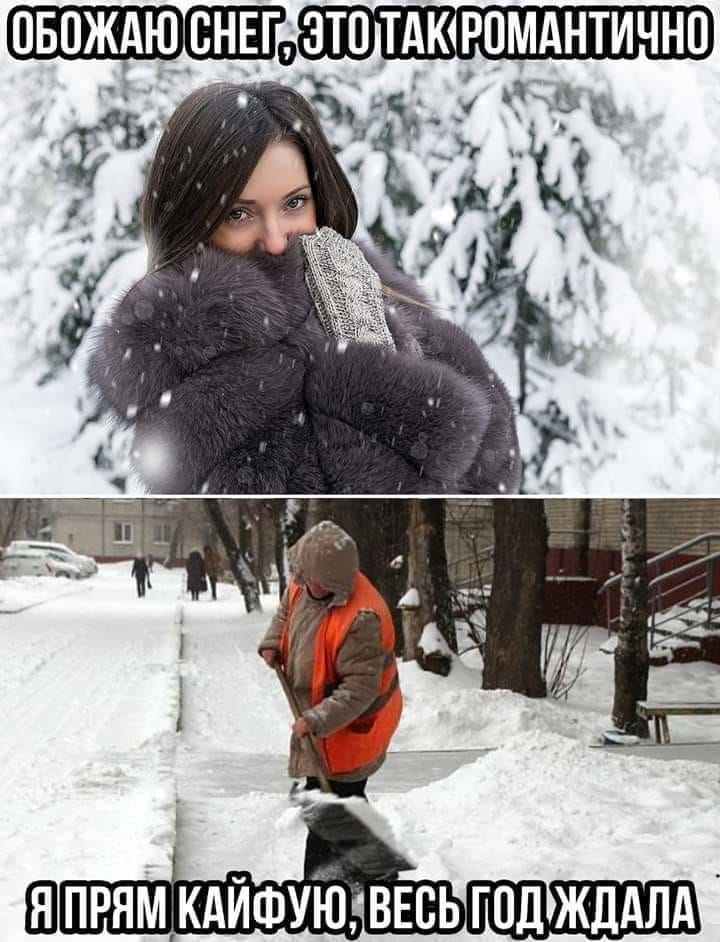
pixel 276 201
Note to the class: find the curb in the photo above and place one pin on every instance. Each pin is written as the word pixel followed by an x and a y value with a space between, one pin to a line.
pixel 167 773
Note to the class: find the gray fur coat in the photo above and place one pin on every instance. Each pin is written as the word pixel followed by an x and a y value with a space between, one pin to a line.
pixel 222 368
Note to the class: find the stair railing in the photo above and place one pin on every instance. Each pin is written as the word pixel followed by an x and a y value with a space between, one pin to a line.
pixel 699 572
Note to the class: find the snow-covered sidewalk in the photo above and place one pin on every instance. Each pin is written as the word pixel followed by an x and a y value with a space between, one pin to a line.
pixel 88 696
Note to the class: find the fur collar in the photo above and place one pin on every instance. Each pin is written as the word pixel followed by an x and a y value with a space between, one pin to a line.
pixel 213 304
pixel 222 367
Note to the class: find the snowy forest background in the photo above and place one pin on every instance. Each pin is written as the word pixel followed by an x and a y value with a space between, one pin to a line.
pixel 566 214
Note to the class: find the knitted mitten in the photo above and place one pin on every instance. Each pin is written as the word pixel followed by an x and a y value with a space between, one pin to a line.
pixel 345 289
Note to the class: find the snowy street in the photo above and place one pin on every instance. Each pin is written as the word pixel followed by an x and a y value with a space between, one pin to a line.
pixel 97 783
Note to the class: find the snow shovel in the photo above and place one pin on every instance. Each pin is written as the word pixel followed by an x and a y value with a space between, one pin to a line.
pixel 362 836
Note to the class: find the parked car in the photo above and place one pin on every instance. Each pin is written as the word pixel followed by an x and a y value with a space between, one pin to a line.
pixel 37 562
pixel 86 564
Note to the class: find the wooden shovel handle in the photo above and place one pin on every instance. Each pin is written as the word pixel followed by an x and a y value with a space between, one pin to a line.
pixel 320 772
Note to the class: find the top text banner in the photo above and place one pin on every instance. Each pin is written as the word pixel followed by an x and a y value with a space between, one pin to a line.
pixel 337 32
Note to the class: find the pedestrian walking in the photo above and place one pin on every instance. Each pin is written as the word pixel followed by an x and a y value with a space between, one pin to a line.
pixel 334 637
pixel 196 581
pixel 140 574
pixel 212 568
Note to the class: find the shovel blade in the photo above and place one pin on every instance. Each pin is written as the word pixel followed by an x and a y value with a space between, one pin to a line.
pixel 360 835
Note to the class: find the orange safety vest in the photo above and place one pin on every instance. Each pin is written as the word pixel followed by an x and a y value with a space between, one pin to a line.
pixel 369 735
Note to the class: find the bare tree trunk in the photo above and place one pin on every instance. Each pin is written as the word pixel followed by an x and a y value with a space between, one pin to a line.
pixel 177 535
pixel 277 509
pixel 295 519
pixel 515 613
pixel 261 555
pixel 244 578
pixel 631 653
pixel 13 518
pixel 245 534
pixel 434 512
pixel 419 578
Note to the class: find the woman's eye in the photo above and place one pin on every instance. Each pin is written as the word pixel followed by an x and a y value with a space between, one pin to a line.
pixel 303 200
pixel 234 215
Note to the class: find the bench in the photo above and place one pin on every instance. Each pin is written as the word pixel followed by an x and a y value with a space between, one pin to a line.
pixel 659 712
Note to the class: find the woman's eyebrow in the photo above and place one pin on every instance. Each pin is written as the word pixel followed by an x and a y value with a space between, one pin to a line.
pixel 254 202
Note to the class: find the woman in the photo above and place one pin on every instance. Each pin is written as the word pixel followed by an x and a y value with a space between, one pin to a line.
pixel 266 351
pixel 196 582
pixel 333 635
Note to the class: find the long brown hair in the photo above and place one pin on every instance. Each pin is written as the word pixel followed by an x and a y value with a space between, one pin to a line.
pixel 208 151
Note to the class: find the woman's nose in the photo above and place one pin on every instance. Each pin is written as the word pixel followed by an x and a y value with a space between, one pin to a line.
pixel 274 238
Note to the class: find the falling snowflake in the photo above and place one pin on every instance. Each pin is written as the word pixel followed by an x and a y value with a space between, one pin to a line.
pixel 131 411
pixel 194 275
pixel 165 399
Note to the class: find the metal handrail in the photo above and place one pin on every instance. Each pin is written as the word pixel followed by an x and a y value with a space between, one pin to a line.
pixel 655 586
pixel 709 537
pixel 666 554
pixel 686 567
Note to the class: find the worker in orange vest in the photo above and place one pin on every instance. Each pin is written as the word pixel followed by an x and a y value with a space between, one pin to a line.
pixel 334 636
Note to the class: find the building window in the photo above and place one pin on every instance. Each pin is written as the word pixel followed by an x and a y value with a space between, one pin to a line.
pixel 163 533
pixel 123 533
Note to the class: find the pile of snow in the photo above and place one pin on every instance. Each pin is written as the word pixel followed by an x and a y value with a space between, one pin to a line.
pixel 541 807
pixel 456 713
pixel 21 592
pixel 545 807
pixel 432 642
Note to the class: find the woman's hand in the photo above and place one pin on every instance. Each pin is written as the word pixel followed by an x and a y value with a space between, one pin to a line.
pixel 270 656
pixel 301 727
pixel 345 289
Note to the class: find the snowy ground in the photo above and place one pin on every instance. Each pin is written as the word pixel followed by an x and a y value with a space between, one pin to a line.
pixel 18 594
pixel 89 692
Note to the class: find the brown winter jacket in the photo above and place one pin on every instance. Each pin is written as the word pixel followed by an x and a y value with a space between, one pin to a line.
pixel 329 555
pixel 212 563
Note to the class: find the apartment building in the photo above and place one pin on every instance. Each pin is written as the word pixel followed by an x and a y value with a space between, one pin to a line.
pixel 113 529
